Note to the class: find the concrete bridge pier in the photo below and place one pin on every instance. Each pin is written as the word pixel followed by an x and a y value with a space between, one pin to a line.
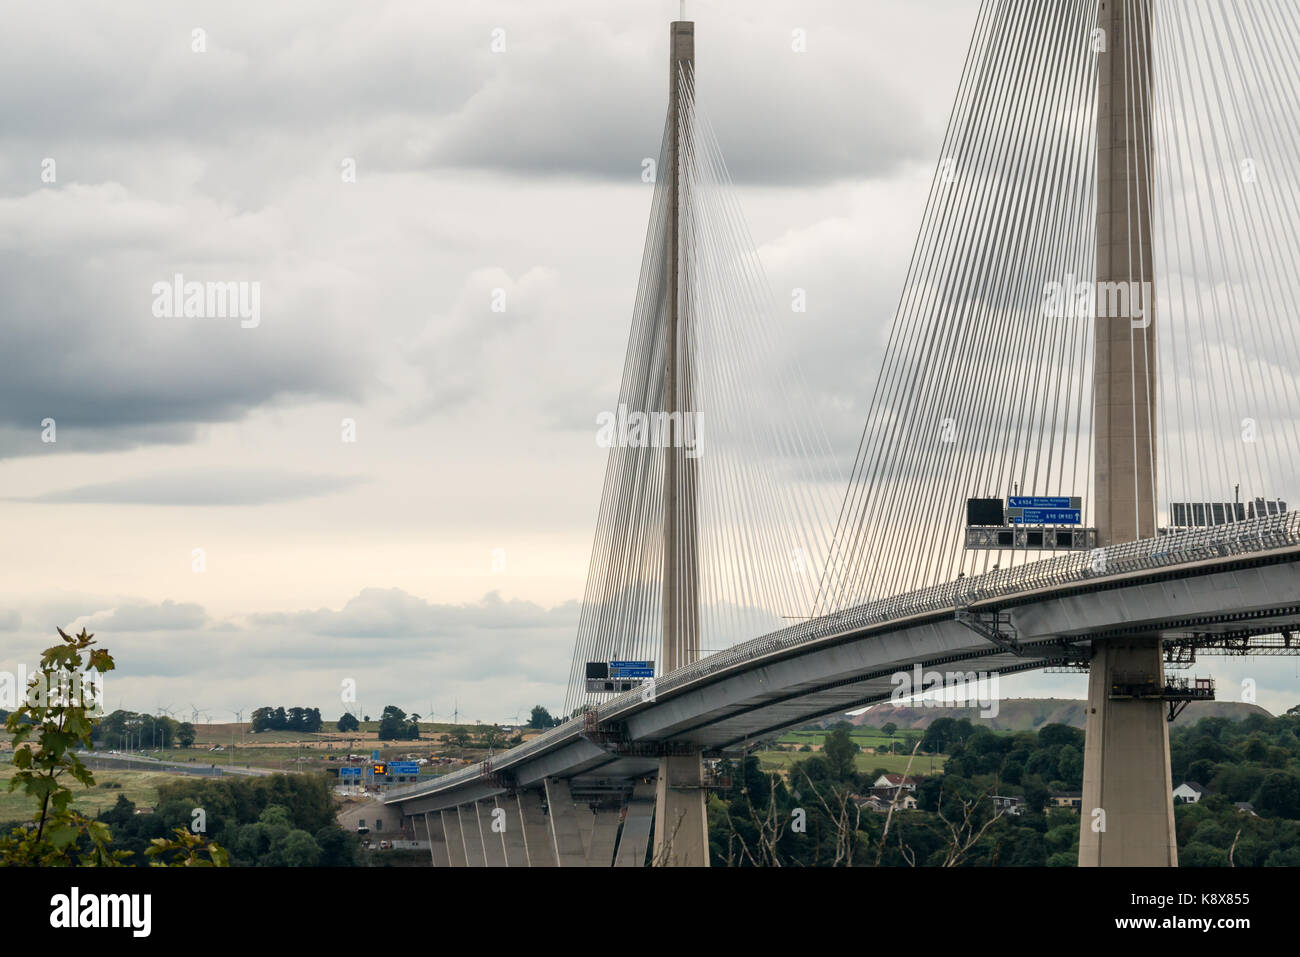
pixel 455 840
pixel 536 829
pixel 494 849
pixel 562 813
pixel 604 831
pixel 437 839
pixel 471 836
pixel 635 839
pixel 512 838
pixel 681 824
pixel 1127 815
pixel 586 818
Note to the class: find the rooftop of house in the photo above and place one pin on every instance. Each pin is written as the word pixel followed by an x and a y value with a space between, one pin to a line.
pixel 899 780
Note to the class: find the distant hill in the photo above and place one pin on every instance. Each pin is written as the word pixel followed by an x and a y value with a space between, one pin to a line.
pixel 1030 714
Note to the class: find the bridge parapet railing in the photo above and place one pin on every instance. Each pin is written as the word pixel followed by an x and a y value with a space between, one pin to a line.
pixel 1175 548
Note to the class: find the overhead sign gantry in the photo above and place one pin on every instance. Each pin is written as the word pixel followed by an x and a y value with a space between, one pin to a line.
pixel 1048 523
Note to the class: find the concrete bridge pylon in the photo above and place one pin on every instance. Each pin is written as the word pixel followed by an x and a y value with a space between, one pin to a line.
pixel 681 825
pixel 1127 814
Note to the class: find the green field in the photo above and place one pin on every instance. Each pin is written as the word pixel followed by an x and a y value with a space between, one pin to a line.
pixel 862 737
pixel 893 763
pixel 207 735
pixel 138 786
pixel 301 751
pixel 290 751
pixel 276 759
pixel 288 758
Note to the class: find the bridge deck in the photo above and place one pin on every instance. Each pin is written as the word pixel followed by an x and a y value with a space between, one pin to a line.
pixel 1230 579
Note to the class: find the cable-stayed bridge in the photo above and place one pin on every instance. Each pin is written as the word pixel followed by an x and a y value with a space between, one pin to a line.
pixel 1097 336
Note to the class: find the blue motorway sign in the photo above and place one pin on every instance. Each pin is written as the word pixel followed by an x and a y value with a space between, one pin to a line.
pixel 349 772
pixel 1038 501
pixel 631 669
pixel 1047 516
pixel 403 767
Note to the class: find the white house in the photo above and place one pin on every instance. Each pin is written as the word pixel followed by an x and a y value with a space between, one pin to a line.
pixel 1009 803
pixel 1189 792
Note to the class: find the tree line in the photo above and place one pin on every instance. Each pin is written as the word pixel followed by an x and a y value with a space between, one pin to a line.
pixel 286 719
pixel 130 730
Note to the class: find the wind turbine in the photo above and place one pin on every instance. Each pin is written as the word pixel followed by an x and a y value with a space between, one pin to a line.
pixel 239 722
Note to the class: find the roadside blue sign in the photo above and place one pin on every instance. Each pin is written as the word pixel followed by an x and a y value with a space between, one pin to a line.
pixel 403 767
pixel 1048 516
pixel 631 669
pixel 1038 501
pixel 349 772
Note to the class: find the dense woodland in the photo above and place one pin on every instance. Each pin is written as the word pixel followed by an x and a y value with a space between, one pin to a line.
pixel 281 820
pixel 1256 760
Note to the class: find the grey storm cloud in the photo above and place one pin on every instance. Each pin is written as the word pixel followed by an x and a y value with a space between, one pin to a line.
pixel 773 114
pixel 224 487
pixel 579 94
pixel 172 161
pixel 80 343
pixel 132 71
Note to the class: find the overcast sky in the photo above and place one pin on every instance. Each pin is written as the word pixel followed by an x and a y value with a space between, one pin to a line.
pixel 438 559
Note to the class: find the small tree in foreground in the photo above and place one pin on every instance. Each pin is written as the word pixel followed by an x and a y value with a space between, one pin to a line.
pixel 54 719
